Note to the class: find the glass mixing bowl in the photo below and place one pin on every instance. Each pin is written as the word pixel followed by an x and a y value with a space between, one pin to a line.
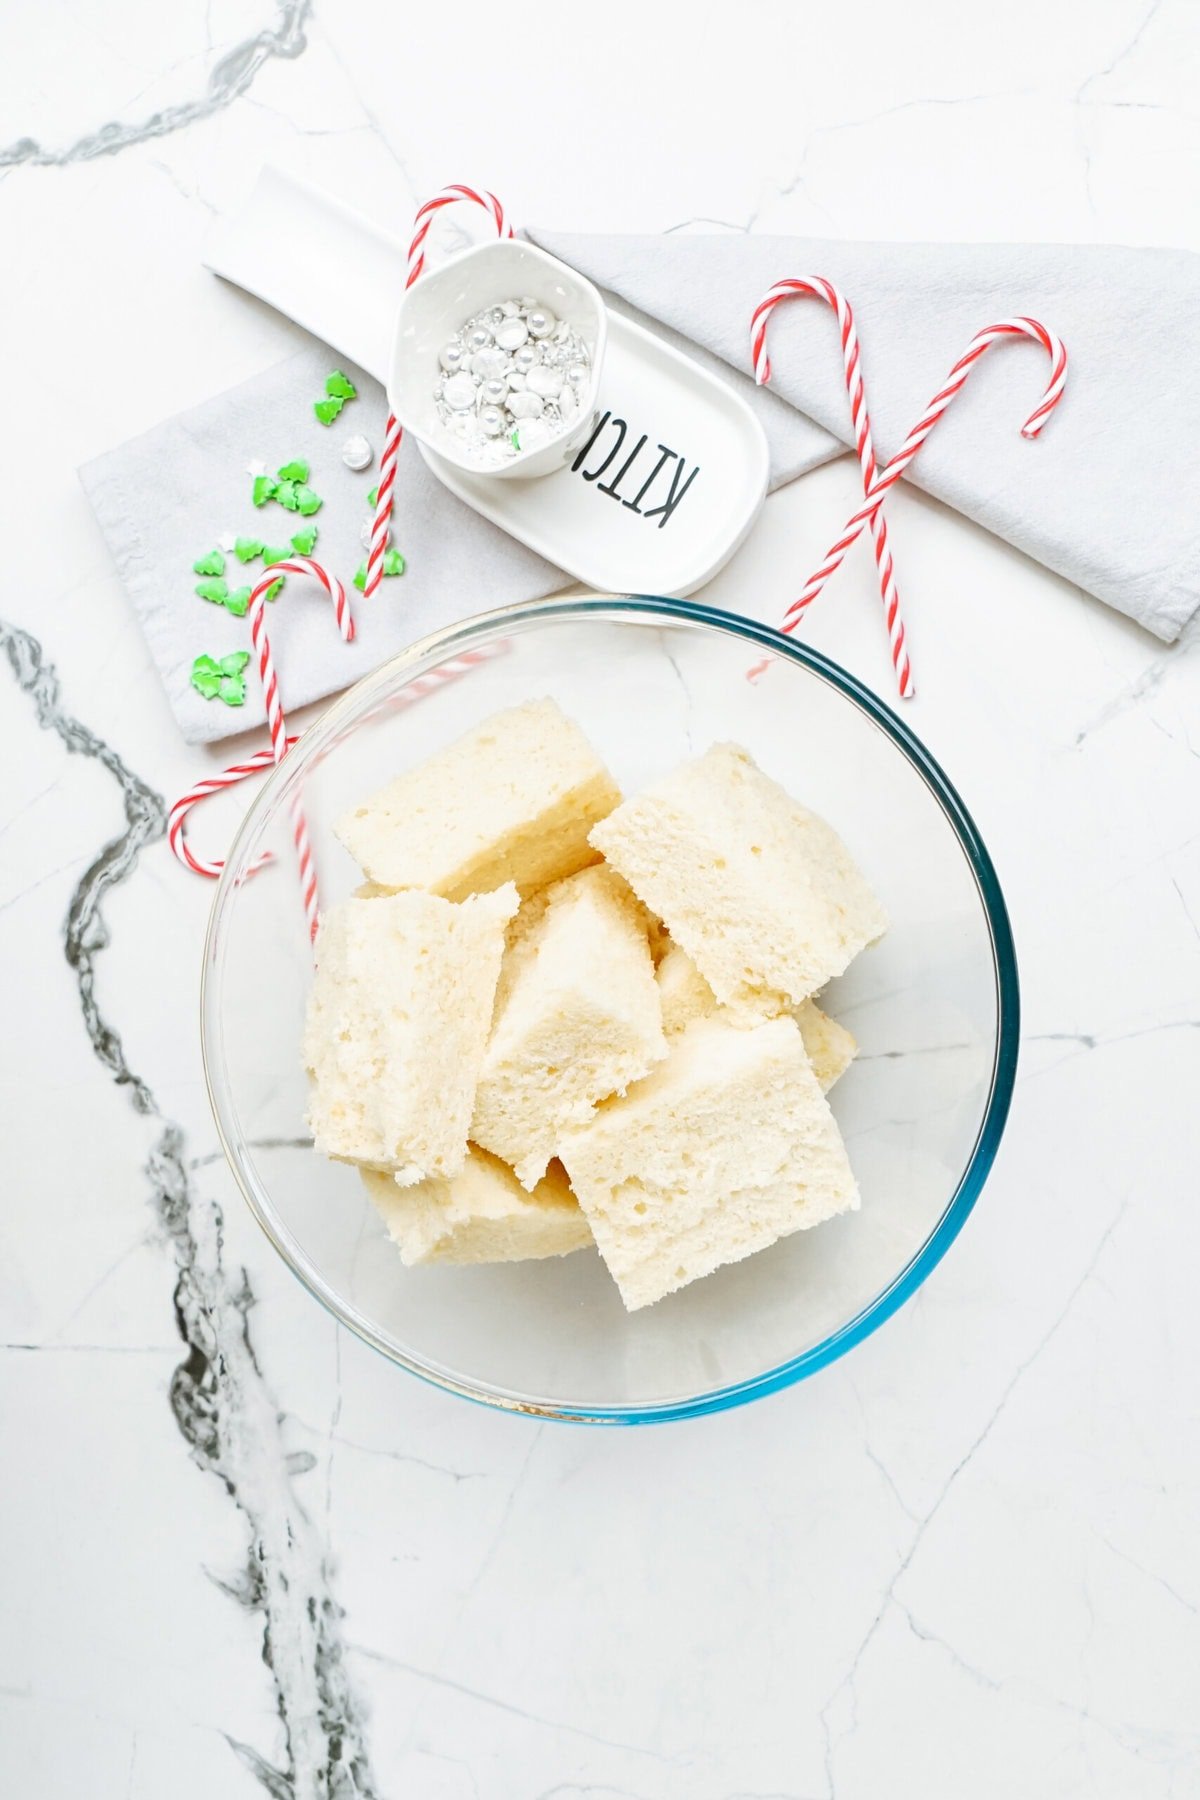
pixel 933 1006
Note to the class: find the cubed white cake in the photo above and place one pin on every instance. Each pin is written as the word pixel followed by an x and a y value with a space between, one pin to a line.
pixel 725 1147
pixel 761 893
pixel 512 800
pixel 577 1018
pixel 480 1215
pixel 398 1019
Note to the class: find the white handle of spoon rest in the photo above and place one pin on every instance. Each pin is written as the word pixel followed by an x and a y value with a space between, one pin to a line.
pixel 316 261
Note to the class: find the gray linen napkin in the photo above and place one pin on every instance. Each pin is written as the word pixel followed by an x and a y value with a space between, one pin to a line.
pixel 1107 496
pixel 163 500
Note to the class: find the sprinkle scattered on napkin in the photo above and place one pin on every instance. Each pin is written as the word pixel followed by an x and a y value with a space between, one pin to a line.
pixel 164 498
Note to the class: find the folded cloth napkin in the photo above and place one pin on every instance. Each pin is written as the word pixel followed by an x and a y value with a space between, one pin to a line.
pixel 1107 496
pixel 166 498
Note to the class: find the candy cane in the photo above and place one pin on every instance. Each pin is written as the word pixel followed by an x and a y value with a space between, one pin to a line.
pixel 215 784
pixel 1007 328
pixel 394 432
pixel 453 669
pixel 449 196
pixel 380 533
pixel 281 743
pixel 822 289
pixel 297 565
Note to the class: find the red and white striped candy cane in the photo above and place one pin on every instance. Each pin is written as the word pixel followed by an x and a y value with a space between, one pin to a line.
pixel 281 743
pixel 822 289
pixel 214 784
pixel 394 433
pixel 449 196
pixel 297 565
pixel 453 669
pixel 953 385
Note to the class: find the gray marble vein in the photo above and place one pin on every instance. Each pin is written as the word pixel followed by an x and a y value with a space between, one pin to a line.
pixel 228 78
pixel 220 1401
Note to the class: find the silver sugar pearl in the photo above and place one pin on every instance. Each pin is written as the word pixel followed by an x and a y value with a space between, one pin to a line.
pixel 459 392
pixel 525 358
pixel 479 337
pixel 541 322
pixel 577 375
pixel 494 391
pixel 451 357
pixel 492 420
pixel 356 453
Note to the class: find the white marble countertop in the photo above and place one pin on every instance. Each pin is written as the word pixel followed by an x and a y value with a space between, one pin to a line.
pixel 960 1562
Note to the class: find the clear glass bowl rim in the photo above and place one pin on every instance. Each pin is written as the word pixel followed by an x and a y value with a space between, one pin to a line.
pixel 453 640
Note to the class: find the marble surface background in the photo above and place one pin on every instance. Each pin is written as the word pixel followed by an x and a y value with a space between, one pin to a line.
pixel 241 1554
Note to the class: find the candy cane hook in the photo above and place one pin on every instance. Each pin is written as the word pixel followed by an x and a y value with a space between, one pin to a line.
pixel 394 432
pixel 298 565
pixel 822 289
pixel 281 743
pixel 215 784
pixel 951 387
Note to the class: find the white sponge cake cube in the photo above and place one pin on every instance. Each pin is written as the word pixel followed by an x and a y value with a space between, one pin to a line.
pixel 577 1019
pixel 398 1019
pixel 761 893
pixel 724 1148
pixel 480 1215
pixel 685 995
pixel 512 800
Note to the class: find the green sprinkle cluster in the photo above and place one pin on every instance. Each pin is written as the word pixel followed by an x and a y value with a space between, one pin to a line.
pixel 338 389
pixel 215 589
pixel 289 487
pixel 221 678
